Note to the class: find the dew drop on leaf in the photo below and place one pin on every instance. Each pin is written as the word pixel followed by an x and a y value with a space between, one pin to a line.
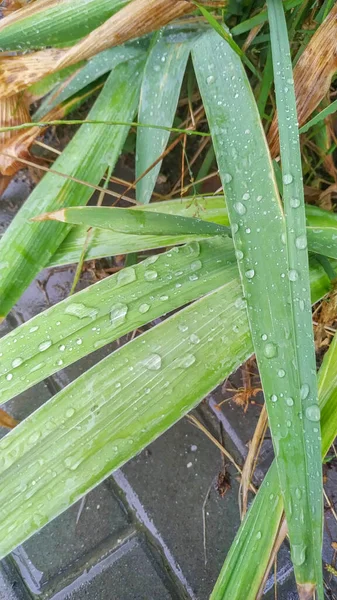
pixel 294 202
pixel 45 345
pixel 304 392
pixel 301 242
pixel 118 313
pixel 270 350
pixel 287 179
pixel 152 362
pixel 17 362
pixel 144 308
pixel 126 276
pixel 313 413
pixel 293 275
pixel 250 273
pixel 240 208
pixel 289 401
pixel 150 275
pixel 281 372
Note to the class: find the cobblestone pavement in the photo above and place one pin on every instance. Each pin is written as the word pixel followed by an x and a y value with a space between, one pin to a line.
pixel 140 534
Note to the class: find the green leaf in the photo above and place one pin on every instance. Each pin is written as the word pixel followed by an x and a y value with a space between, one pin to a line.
pixel 27 247
pixel 248 558
pixel 135 222
pixel 323 114
pixel 111 308
pixel 163 75
pixel 260 18
pixel 305 540
pixel 57 24
pixel 258 231
pixel 96 67
pixel 321 231
pixel 111 412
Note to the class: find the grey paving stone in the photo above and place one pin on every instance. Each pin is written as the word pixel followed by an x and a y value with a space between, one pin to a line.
pixel 128 574
pixel 76 539
pixel 172 479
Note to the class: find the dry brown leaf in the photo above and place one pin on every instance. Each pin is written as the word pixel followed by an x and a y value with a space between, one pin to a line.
pixel 6 420
pixel 24 9
pixel 134 20
pixel 312 74
pixel 254 449
pixel 13 111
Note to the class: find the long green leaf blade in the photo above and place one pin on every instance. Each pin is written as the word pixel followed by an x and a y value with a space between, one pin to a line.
pixel 321 231
pixel 259 231
pixel 135 222
pixel 109 309
pixel 96 67
pixel 27 247
pixel 246 563
pixel 308 539
pixel 111 412
pixel 57 24
pixel 163 75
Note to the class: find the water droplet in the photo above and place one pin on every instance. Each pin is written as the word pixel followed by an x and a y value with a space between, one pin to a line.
pixel 250 273
pixel 9 377
pixel 79 341
pixel 294 202
pixel 70 412
pixel 45 345
pixel 32 329
pixel 118 313
pixel 239 254
pixel 298 554
pixel 210 79
pixel 150 275
pixel 273 398
pixel 182 327
pixel 288 423
pixel 62 348
pixel 152 362
pixel 264 337
pixel 240 208
pixel 126 276
pixel 227 178
pixel 152 259
pixel 34 437
pixel 301 242
pixel 281 372
pixel 258 535
pixel 186 361
pixel 313 413
pixel 270 350
pixel 289 401
pixel 144 308
pixel 77 309
pixel 235 227
pixel 196 265
pixel 193 248
pixel 298 493
pixel 287 179
pixel 293 275
pixel 194 339
pixel 301 304
pixel 17 362
pixel 304 391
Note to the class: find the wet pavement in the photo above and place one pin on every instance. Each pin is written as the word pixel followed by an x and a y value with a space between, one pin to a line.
pixel 158 528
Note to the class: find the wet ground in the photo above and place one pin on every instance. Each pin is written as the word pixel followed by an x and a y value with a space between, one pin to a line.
pixel 160 527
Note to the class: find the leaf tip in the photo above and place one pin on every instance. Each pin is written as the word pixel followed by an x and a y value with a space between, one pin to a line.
pixel 57 215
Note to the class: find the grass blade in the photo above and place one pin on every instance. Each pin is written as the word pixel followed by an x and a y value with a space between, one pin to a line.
pixel 135 222
pixel 256 537
pixel 323 114
pixel 111 308
pixel 308 572
pixel 97 423
pixel 27 247
pixel 163 76
pixel 96 67
pixel 256 214
pixel 54 23
pixel 321 231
